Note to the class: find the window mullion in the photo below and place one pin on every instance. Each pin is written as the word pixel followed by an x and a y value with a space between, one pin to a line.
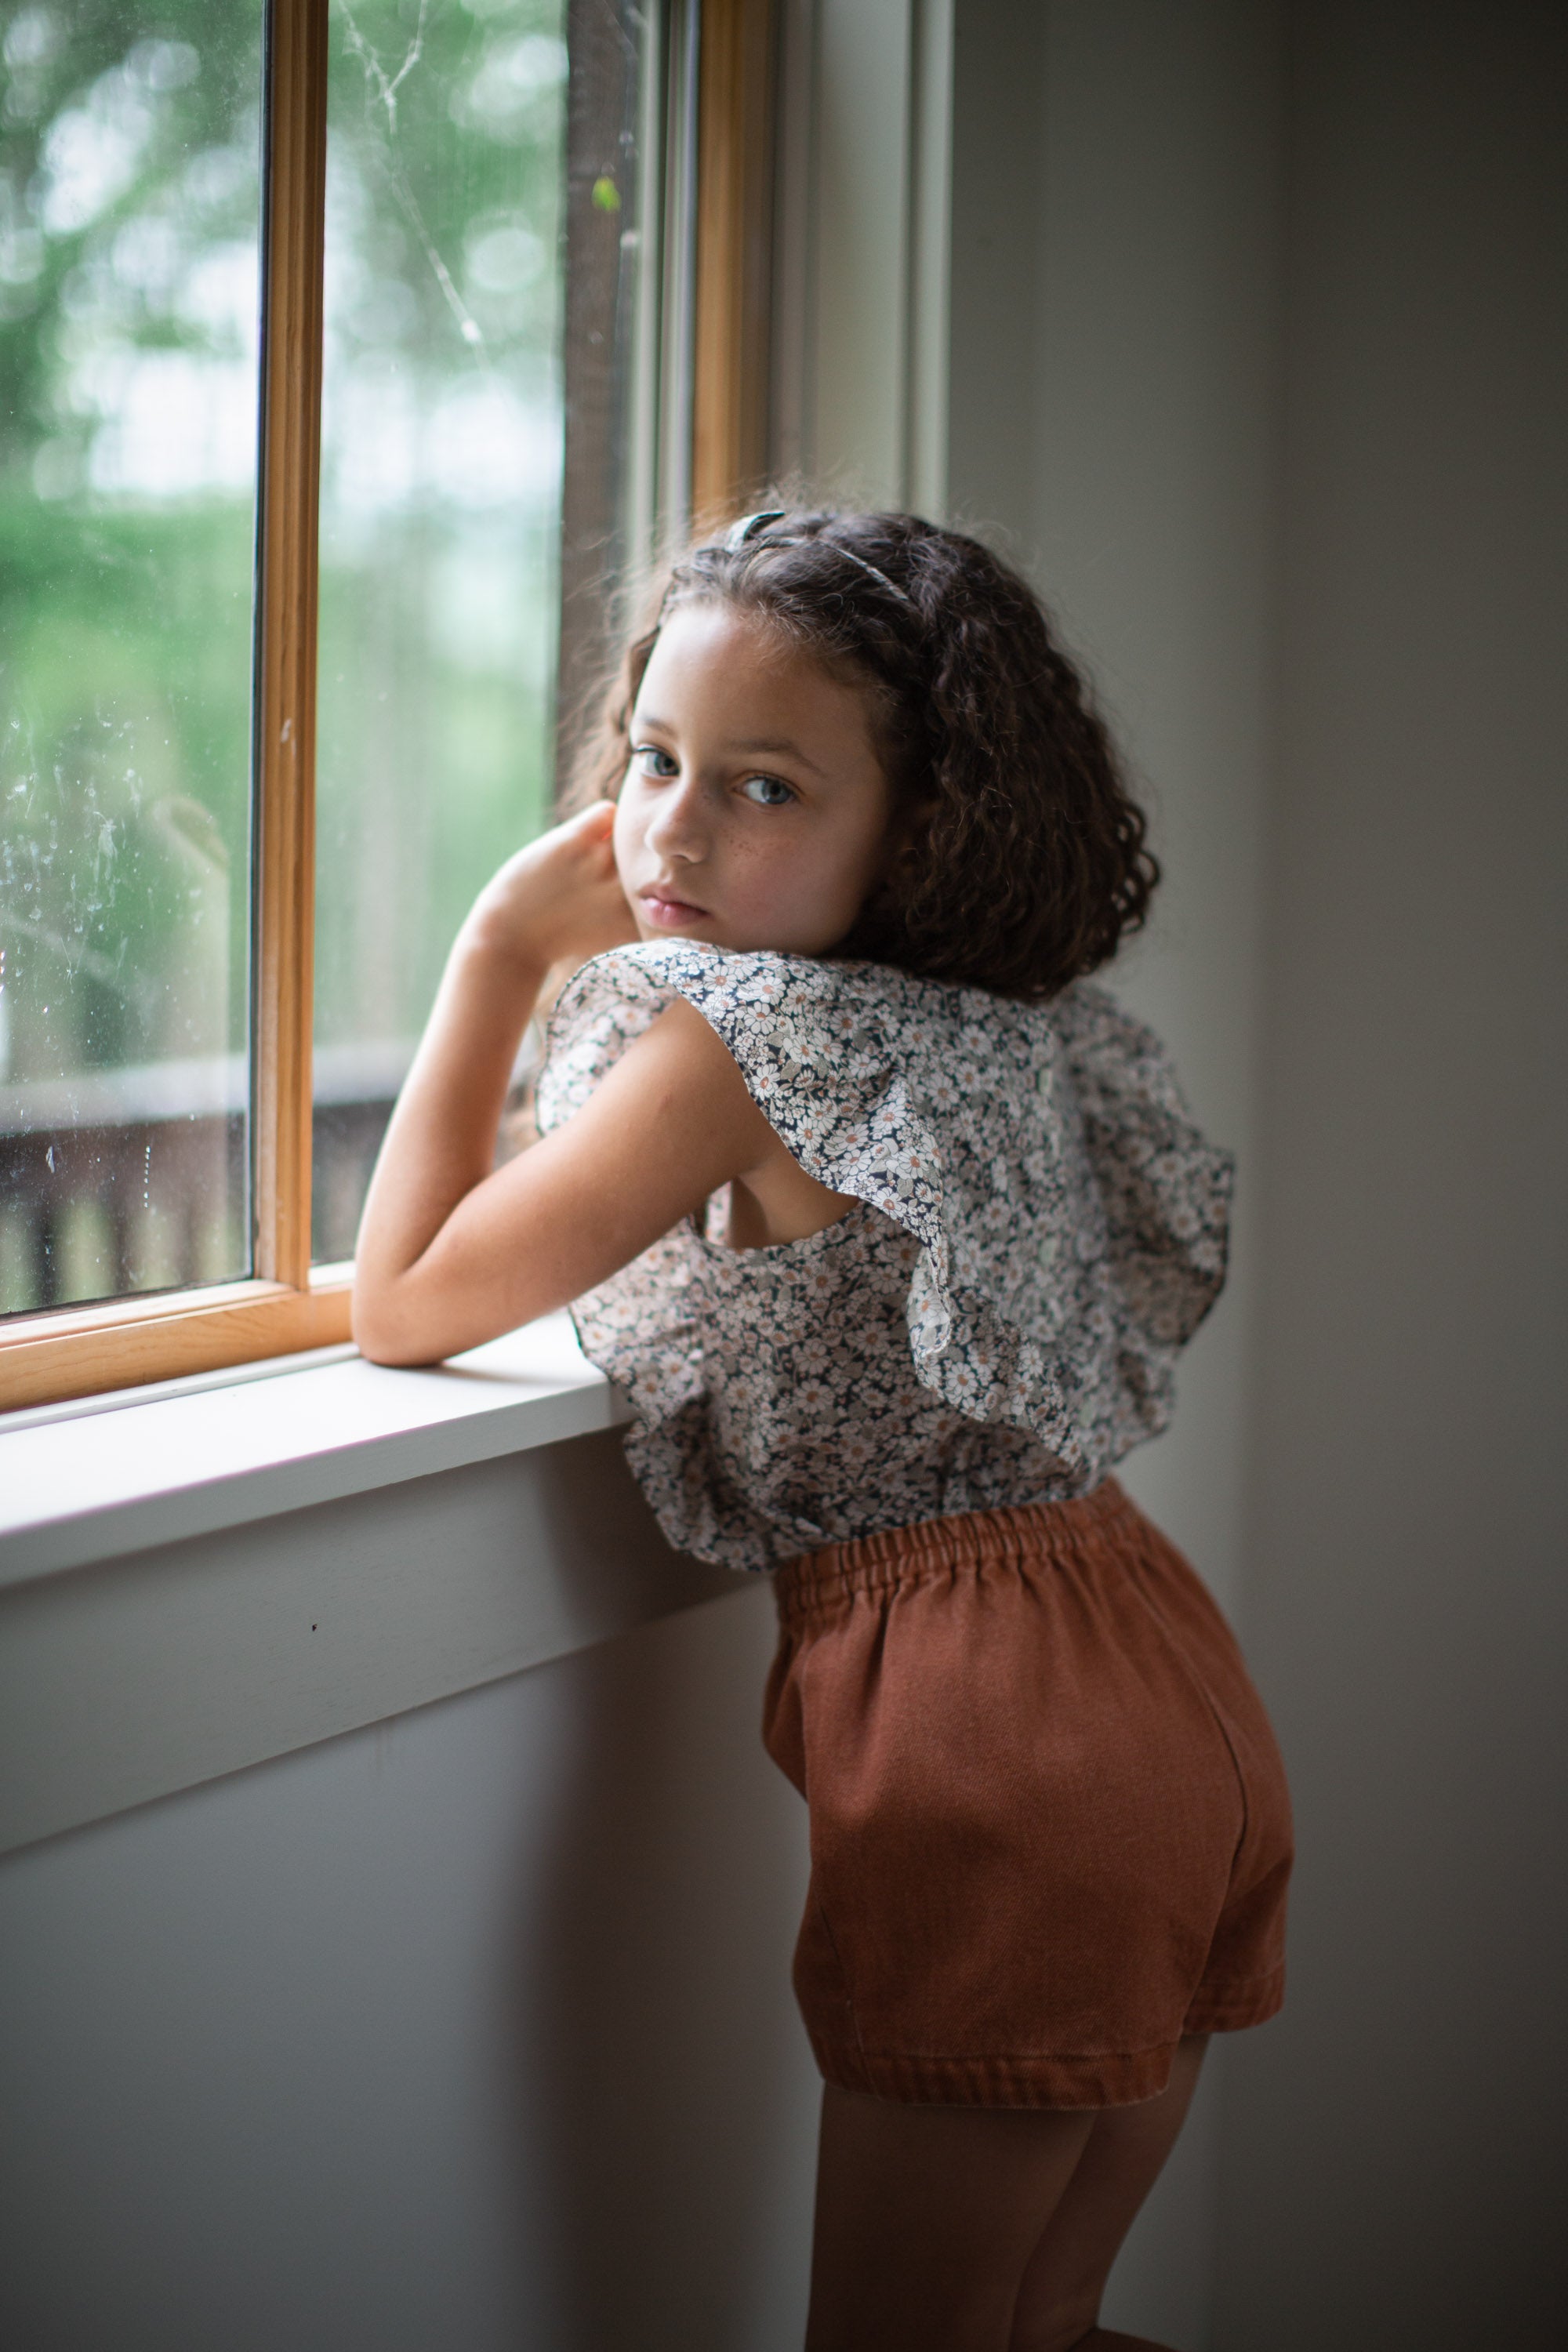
pixel 735 230
pixel 602 39
pixel 282 960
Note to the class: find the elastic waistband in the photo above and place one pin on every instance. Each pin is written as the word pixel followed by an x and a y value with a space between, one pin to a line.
pixel 814 1585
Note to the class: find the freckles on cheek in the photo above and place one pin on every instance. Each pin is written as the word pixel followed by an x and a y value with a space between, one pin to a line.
pixel 765 882
pixel 803 905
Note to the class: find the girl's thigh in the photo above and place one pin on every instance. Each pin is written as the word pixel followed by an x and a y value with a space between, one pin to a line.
pixel 1064 2282
pixel 946 2228
pixel 927 2218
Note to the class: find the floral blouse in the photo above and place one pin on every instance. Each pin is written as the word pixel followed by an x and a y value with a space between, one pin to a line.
pixel 1037 1228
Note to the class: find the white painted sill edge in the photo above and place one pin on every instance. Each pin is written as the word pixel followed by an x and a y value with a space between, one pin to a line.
pixel 194 1583
pixel 121 1474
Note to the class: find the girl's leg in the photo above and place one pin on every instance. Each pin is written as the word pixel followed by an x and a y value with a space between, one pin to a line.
pixel 926 2219
pixel 1058 2303
pixel 980 2228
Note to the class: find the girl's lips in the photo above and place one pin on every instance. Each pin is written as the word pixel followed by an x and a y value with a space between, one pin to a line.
pixel 662 909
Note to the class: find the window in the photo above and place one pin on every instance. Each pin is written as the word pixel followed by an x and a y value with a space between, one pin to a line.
pixel 349 347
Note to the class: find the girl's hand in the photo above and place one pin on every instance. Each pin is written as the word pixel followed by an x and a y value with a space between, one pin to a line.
pixel 558 900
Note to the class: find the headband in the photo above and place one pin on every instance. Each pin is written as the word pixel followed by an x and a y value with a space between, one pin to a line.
pixel 740 534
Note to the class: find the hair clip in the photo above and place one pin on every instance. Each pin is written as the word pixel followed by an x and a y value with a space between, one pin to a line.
pixel 737 535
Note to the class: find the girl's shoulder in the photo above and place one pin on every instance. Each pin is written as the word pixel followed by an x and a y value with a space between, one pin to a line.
pixel 791 1019
pixel 756 988
pixel 854 1064
pixel 794 1023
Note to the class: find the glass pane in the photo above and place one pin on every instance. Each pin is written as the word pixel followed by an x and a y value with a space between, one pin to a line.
pixel 128 426
pixel 441 519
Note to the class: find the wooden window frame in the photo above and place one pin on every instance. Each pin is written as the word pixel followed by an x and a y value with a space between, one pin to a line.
pixel 74 1351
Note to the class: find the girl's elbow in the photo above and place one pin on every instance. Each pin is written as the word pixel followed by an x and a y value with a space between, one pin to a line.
pixel 384 1334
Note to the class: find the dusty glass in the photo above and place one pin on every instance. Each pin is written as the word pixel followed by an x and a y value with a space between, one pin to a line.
pixel 129 181
pixel 442 434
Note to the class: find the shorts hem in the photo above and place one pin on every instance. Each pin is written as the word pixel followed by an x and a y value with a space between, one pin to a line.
pixel 1103 2079
pixel 1251 2003
pixel 1108 2079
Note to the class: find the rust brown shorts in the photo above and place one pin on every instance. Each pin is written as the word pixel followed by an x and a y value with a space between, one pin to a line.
pixel 1050 1833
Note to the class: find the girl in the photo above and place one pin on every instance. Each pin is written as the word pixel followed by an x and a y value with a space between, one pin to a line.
pixel 891 1226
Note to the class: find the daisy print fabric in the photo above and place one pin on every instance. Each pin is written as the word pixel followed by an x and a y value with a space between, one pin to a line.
pixel 1037 1230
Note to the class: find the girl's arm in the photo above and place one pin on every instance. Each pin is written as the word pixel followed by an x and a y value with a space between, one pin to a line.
pixel 453 1251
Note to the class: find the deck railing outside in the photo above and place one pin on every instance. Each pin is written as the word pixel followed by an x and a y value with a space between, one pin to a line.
pixel 119 1180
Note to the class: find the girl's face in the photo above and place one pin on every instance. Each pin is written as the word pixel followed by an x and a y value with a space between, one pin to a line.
pixel 754 812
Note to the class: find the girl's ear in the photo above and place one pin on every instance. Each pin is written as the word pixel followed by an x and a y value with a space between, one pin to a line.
pixel 906 842
pixel 900 859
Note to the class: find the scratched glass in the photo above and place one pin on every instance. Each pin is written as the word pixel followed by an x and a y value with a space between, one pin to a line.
pixel 442 429
pixel 128 424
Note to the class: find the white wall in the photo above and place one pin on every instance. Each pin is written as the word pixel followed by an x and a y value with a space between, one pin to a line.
pixel 473 2030
pixel 1395 2154
pixel 860 359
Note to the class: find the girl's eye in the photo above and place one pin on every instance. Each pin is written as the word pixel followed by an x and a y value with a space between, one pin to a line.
pixel 654 763
pixel 767 792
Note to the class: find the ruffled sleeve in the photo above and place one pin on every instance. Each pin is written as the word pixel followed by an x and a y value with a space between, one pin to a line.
pixel 1071 1218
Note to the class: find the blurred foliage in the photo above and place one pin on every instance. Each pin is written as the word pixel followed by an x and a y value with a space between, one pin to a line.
pixel 128 203
pixel 128 167
pixel 444 118
pixel 110 113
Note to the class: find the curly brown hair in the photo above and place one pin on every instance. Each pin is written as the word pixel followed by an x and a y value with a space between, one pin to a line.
pixel 1022 860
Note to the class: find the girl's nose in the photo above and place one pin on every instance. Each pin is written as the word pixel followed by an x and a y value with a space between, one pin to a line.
pixel 677 826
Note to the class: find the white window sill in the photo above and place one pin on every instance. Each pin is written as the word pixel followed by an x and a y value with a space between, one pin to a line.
pixel 120 1474
pixel 194 1583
